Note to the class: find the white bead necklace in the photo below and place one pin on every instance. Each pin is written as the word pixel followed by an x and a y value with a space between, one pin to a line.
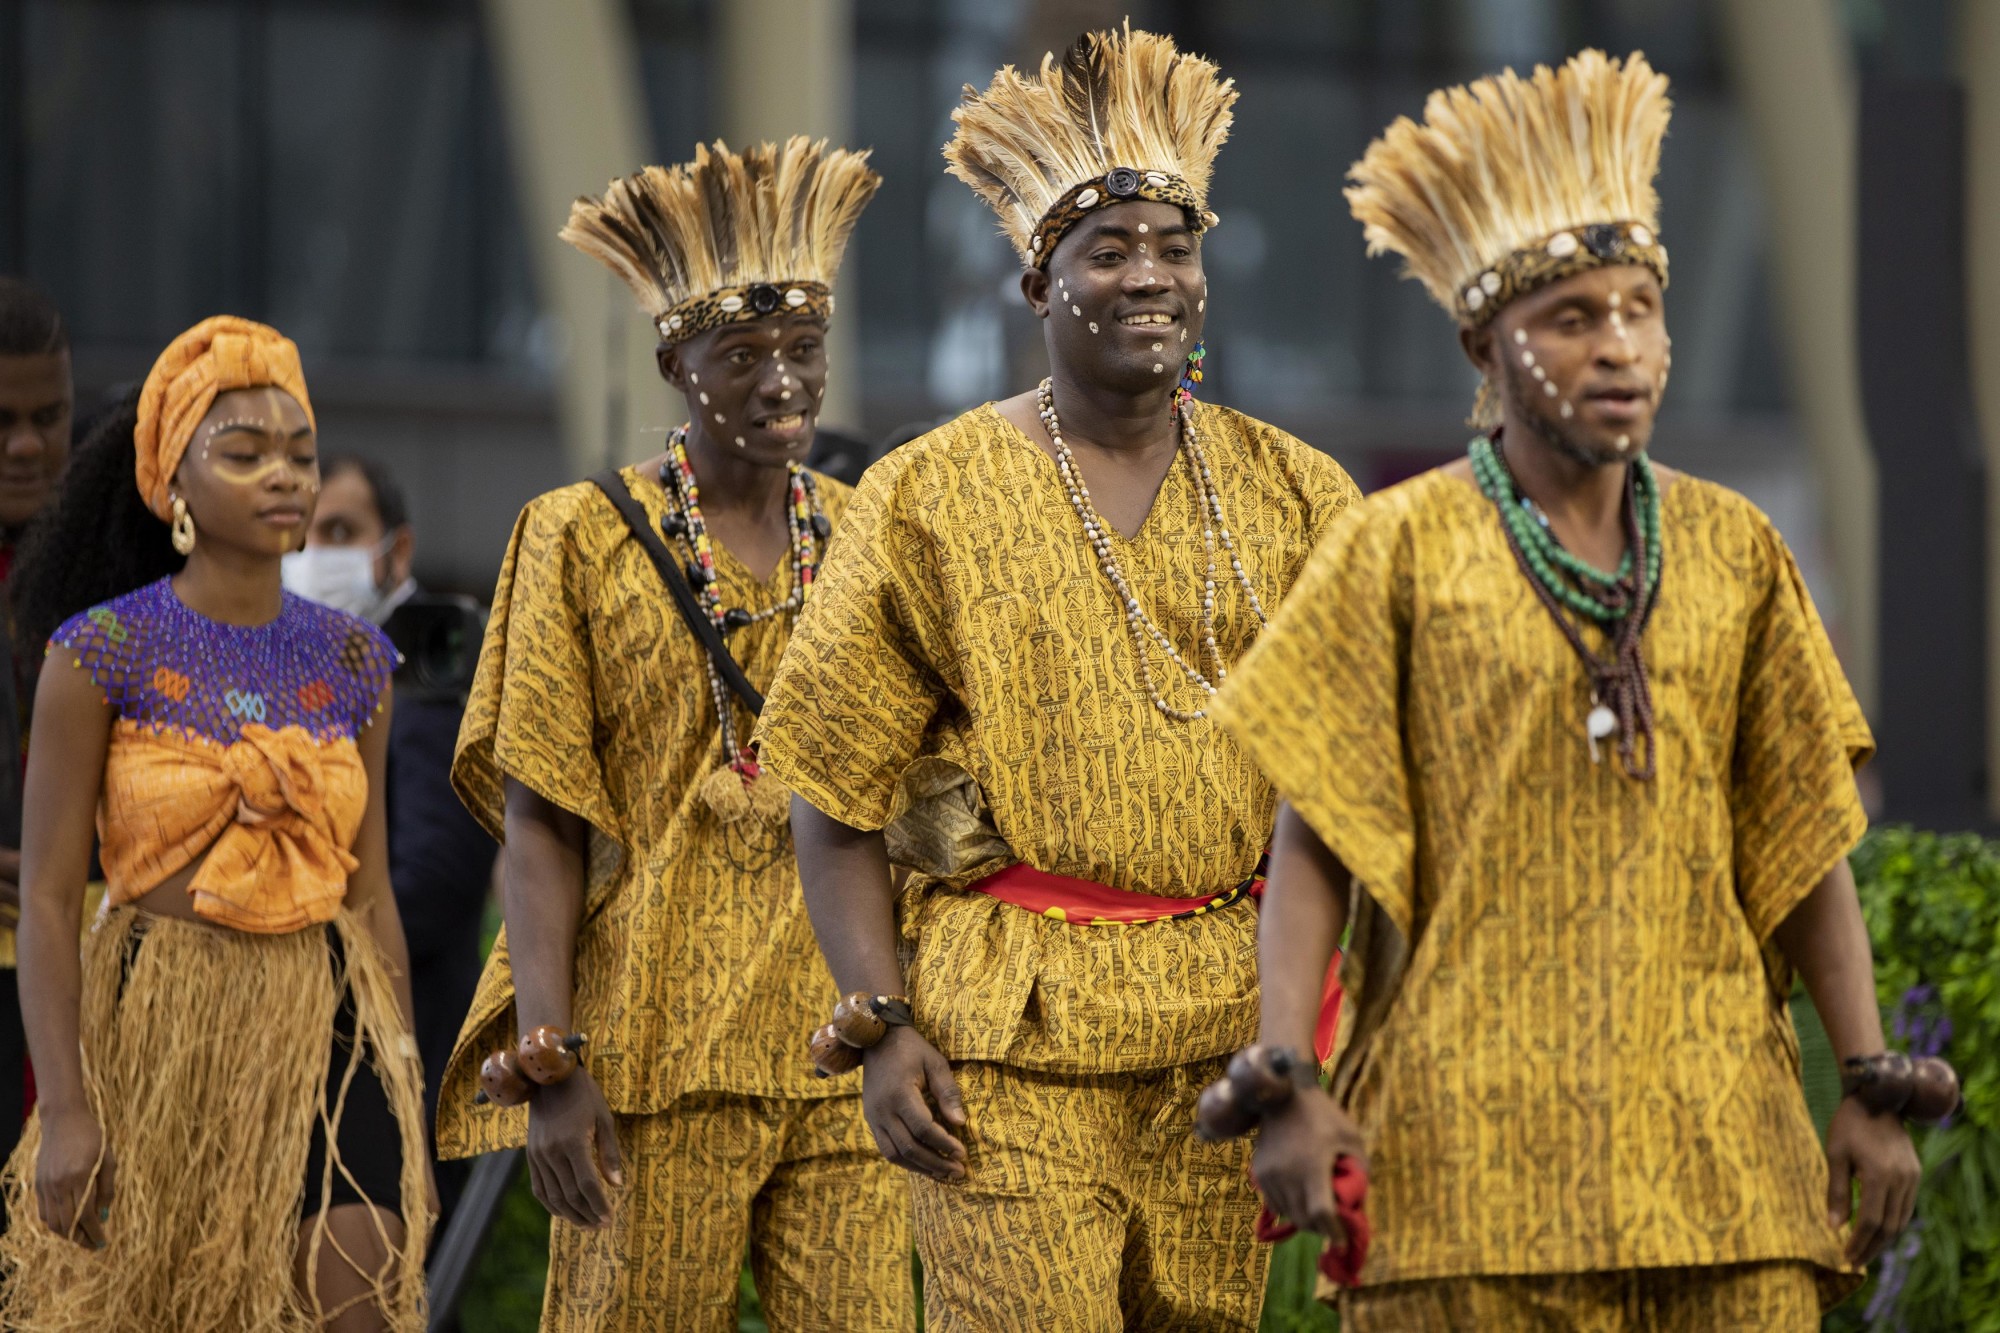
pixel 1208 504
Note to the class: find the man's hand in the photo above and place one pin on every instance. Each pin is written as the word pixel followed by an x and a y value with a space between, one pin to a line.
pixel 895 1075
pixel 573 1151
pixel 1293 1161
pixel 74 1177
pixel 1876 1149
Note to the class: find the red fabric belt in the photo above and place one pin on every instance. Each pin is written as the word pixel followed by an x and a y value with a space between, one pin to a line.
pixel 1083 902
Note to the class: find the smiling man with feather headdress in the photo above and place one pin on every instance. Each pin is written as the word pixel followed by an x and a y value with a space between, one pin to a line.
pixel 1001 686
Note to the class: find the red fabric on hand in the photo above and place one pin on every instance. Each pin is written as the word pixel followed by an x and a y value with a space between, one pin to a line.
pixel 1341 1266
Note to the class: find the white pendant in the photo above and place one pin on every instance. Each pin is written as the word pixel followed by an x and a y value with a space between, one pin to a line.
pixel 1597 725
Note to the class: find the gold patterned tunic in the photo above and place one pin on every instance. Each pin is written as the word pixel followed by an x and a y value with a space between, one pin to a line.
pixel 961 625
pixel 696 970
pixel 1567 1040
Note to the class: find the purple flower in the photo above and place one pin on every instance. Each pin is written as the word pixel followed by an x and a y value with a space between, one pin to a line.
pixel 1895 1271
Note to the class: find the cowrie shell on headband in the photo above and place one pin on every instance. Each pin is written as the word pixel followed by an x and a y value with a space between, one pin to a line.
pixel 1562 245
pixel 732 304
pixel 796 296
pixel 1087 199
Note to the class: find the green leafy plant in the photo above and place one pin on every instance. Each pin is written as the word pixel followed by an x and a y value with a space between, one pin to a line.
pixel 1932 903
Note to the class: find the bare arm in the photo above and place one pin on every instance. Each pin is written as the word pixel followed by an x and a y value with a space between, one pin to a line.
pixel 1304 913
pixel 572 1144
pixel 65 775
pixel 852 902
pixel 850 898
pixel 369 895
pixel 1826 939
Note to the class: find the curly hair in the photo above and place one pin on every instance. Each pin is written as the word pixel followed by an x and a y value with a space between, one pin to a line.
pixel 96 541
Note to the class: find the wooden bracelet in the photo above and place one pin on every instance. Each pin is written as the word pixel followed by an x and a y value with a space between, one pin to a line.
pixel 1261 1080
pixel 542 1057
pixel 1922 1091
pixel 860 1021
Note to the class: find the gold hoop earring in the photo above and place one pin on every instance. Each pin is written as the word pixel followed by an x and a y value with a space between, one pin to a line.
pixel 183 529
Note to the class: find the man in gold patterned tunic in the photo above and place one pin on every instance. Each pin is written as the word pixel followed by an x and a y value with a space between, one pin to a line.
pixel 985 670
pixel 652 899
pixel 1560 735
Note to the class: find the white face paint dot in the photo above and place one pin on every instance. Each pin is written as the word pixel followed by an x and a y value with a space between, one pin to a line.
pixel 1568 411
pixel 1157 367
pixel 719 418
pixel 1624 443
pixel 739 442
pixel 704 398
pixel 1149 263
pixel 693 378
pixel 1520 337
pixel 1527 358
pixel 786 394
pixel 1183 335
pixel 1200 305
pixel 1539 374
pixel 1076 310
pixel 1548 388
pixel 1159 347
pixel 1614 300
pixel 1093 326
pixel 1142 226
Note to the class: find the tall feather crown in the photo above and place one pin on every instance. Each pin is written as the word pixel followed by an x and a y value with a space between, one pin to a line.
pixel 1512 183
pixel 1122 116
pixel 729 236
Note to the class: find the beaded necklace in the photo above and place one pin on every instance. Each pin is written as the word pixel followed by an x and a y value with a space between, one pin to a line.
pixel 809 528
pixel 1208 504
pixel 1620 603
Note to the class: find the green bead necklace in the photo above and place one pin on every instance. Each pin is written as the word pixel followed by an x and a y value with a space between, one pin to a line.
pixel 1587 590
pixel 1620 603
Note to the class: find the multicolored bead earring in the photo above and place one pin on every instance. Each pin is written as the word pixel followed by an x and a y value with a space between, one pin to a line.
pixel 1190 376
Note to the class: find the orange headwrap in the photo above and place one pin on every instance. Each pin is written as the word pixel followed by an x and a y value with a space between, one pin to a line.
pixel 216 355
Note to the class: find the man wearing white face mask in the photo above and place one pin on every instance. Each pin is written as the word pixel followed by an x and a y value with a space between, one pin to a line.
pixel 357 559
pixel 357 556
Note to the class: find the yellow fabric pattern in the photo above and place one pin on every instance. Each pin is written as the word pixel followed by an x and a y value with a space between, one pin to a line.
pixel 1566 1038
pixel 696 969
pixel 1742 1298
pixel 962 621
pixel 1089 1204
pixel 799 1184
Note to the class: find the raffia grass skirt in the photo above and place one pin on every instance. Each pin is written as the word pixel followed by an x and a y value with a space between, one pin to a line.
pixel 206 1057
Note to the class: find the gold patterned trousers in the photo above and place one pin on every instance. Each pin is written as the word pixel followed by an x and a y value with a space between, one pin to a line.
pixel 1088 1204
pixel 799 1184
pixel 1731 1298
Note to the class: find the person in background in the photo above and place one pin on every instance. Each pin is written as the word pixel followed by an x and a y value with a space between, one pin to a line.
pixel 357 559
pixel 36 403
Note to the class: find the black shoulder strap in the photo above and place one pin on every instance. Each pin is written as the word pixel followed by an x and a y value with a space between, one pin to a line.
pixel 697 619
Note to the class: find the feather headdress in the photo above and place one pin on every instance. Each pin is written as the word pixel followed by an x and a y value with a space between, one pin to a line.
pixel 1123 115
pixel 1512 183
pixel 728 236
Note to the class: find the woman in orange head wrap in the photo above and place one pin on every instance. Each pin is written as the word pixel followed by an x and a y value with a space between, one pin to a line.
pixel 229 1092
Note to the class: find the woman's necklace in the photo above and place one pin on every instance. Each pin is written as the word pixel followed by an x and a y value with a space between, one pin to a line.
pixel 1621 696
pixel 809 529
pixel 1142 628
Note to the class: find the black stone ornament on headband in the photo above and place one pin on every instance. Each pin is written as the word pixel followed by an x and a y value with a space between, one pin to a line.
pixel 733 305
pixel 1120 185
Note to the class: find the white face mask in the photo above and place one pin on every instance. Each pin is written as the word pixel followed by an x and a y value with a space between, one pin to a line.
pixel 342 577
